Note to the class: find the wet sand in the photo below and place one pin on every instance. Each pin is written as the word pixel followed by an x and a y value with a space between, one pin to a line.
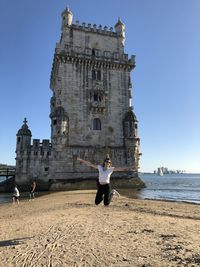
pixel 67 229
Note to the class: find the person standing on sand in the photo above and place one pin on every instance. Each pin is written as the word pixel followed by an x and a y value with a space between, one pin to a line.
pixel 15 195
pixel 32 190
pixel 104 192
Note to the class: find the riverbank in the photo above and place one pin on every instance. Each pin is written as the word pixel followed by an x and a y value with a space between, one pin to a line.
pixel 67 229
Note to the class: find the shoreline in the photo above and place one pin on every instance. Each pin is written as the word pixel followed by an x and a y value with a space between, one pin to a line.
pixel 134 195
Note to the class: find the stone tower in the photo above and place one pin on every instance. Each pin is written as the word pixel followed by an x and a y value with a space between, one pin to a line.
pixel 91 114
pixel 90 108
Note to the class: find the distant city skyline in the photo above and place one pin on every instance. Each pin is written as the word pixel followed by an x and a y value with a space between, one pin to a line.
pixel 164 36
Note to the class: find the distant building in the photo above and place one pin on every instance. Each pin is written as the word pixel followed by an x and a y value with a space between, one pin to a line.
pixel 165 170
pixel 91 113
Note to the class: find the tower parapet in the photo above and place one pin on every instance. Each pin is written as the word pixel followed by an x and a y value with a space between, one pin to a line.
pixel 88 27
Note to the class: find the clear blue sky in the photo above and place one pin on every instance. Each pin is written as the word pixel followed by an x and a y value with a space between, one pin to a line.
pixel 163 34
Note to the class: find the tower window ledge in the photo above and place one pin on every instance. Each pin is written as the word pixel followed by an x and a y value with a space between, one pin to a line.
pixel 98 109
pixel 97 104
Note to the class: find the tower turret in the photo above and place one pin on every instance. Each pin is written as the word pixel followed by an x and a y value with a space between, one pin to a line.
pixel 23 137
pixel 120 30
pixel 59 126
pixel 131 140
pixel 67 17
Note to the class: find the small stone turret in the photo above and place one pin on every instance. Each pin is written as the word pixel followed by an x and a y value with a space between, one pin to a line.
pixel 23 137
pixel 131 140
pixel 67 18
pixel 120 30
pixel 59 126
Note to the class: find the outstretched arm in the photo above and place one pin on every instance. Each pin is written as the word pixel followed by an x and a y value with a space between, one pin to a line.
pixel 87 163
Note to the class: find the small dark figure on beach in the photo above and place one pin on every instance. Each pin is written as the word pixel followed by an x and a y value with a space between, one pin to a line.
pixel 104 192
pixel 15 197
pixel 32 190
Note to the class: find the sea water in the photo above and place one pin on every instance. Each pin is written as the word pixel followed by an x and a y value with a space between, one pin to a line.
pixel 5 197
pixel 174 187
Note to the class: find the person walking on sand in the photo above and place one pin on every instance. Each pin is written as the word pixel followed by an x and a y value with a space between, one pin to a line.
pixel 32 190
pixel 15 195
pixel 104 192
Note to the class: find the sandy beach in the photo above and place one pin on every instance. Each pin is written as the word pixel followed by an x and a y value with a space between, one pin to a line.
pixel 67 229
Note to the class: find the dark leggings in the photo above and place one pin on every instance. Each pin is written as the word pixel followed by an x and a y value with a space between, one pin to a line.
pixel 32 194
pixel 103 193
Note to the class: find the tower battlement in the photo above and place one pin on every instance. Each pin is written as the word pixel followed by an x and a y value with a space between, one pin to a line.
pixel 88 27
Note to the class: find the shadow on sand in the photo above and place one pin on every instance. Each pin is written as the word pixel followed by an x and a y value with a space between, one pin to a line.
pixel 13 242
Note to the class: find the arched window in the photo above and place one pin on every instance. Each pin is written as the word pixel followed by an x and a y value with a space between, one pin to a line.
pixel 96 97
pixel 93 75
pixel 96 75
pixel 96 124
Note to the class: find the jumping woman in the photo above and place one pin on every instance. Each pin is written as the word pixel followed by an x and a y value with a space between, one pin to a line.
pixel 104 191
